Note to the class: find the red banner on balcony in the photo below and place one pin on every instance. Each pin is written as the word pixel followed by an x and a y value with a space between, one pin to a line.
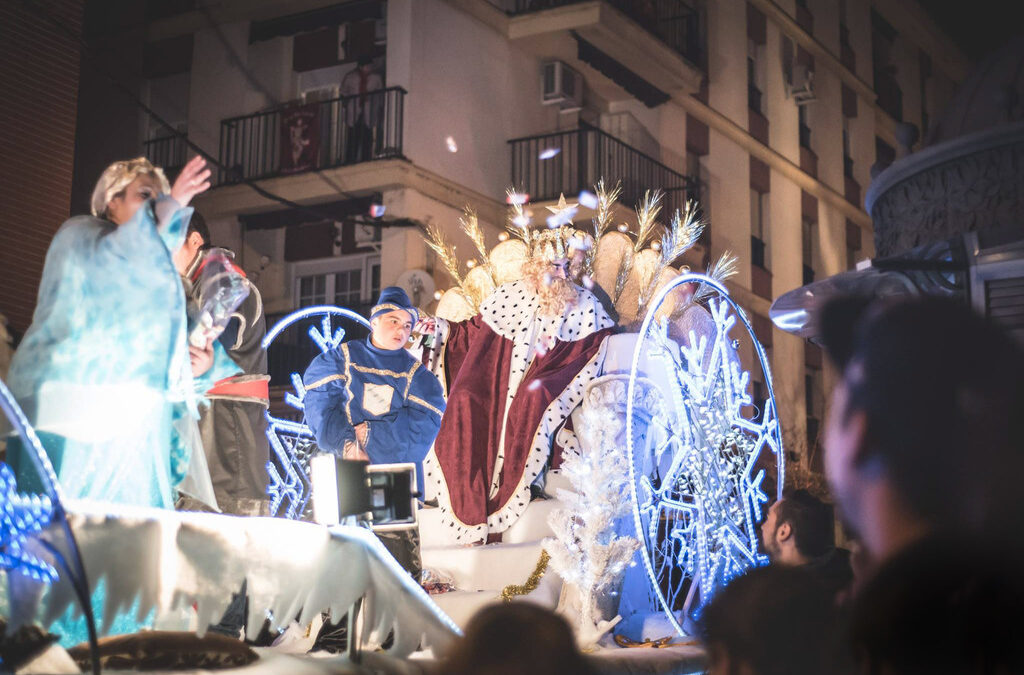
pixel 300 138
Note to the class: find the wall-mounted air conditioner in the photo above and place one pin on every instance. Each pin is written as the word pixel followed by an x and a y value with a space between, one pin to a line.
pixel 801 86
pixel 562 86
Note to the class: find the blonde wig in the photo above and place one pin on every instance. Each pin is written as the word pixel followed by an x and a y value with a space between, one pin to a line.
pixel 118 176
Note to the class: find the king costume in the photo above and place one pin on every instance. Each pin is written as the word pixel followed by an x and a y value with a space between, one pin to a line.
pixel 398 399
pixel 513 375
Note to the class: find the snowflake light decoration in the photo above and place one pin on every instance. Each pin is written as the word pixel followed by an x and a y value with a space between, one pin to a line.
pixel 292 443
pixel 20 517
pixel 696 489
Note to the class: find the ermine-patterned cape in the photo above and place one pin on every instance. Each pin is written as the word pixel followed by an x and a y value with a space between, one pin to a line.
pixel 512 377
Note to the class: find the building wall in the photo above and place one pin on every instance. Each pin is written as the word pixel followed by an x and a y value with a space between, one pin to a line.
pixel 38 104
pixel 467 82
pixel 466 79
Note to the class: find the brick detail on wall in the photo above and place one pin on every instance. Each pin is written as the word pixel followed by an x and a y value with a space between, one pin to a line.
pixel 38 103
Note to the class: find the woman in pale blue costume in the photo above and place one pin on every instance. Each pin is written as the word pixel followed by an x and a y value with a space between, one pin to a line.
pixel 105 372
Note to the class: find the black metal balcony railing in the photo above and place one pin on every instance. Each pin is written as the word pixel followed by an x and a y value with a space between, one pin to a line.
pixel 167 152
pixel 578 159
pixel 808 274
pixel 312 136
pixel 848 166
pixel 677 23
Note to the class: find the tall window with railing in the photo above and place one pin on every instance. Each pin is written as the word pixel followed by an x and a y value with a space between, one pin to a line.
pixel 758 229
pixel 754 77
pixel 805 128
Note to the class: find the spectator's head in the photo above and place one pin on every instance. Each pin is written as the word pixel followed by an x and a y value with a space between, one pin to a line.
pixel 797 529
pixel 392 319
pixel 196 239
pixel 925 427
pixel 772 620
pixel 124 187
pixel 943 605
pixel 514 638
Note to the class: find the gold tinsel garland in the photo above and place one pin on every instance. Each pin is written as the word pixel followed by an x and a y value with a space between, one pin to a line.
pixel 512 590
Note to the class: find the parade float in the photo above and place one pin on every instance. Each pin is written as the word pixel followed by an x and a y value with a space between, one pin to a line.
pixel 660 461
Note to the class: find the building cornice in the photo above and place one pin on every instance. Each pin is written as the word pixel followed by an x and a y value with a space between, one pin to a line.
pixel 773 159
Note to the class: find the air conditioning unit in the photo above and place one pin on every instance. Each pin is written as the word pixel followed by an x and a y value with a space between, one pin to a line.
pixel 801 86
pixel 562 86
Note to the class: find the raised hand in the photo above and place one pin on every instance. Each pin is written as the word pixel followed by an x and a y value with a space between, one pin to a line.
pixel 193 179
pixel 425 326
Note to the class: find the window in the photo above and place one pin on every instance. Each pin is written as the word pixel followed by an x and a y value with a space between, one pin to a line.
pixel 695 170
pixel 847 158
pixel 808 245
pixel 312 291
pixel 351 281
pixel 758 228
pixel 805 128
pixel 753 77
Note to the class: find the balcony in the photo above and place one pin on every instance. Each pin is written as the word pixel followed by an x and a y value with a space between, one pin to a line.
pixel 167 152
pixel 299 138
pixel 649 50
pixel 586 155
pixel 675 22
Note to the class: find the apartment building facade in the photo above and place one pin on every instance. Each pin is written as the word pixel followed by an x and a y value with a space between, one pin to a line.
pixel 771 112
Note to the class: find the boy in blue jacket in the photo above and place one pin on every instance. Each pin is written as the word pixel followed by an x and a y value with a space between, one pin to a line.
pixel 371 399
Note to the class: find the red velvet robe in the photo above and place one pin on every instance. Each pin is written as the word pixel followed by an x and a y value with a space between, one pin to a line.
pixel 482 484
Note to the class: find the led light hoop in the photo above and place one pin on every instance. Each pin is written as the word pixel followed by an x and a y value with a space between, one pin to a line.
pixel 735 531
pixel 291 442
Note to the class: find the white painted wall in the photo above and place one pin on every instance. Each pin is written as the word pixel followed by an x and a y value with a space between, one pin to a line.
pixel 466 82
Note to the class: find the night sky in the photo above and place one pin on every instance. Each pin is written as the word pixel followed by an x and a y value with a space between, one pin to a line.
pixel 978 26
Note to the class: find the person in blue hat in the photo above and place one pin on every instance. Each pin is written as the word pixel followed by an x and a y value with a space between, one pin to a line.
pixel 370 399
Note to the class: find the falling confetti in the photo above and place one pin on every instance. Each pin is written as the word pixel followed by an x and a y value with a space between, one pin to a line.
pixel 450 142
pixel 533 385
pixel 548 153
pixel 579 243
pixel 588 283
pixel 587 199
pixel 521 220
pixel 517 198
pixel 377 210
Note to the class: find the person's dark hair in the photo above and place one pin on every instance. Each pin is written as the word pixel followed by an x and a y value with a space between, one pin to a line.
pixel 944 605
pixel 513 638
pixel 775 620
pixel 942 390
pixel 811 520
pixel 198 224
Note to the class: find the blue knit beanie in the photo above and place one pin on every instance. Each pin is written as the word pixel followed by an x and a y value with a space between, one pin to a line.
pixel 393 298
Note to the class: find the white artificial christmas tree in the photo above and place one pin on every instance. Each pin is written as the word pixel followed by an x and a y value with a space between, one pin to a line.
pixel 586 550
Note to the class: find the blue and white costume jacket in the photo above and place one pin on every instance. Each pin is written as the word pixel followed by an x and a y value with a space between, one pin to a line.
pixel 399 400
